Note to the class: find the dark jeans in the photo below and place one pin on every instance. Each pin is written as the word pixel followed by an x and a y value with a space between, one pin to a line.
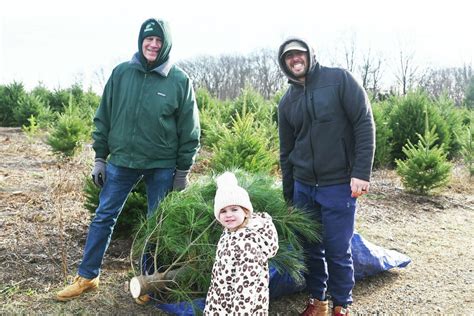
pixel 118 185
pixel 330 261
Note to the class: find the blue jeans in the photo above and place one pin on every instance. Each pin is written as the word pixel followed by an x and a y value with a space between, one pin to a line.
pixel 119 183
pixel 329 262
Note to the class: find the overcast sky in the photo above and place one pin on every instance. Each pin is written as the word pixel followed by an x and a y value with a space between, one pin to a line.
pixel 58 42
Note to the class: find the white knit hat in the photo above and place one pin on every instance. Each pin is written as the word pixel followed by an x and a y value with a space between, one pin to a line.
pixel 230 193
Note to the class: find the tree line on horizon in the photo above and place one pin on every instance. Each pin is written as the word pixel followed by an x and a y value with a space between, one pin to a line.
pixel 225 76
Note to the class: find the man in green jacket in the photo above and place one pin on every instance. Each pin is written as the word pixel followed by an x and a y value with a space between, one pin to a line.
pixel 147 127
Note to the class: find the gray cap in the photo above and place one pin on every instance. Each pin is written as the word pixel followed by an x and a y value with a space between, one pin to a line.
pixel 294 45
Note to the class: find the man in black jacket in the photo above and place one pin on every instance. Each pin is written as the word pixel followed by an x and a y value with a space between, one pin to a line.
pixel 327 144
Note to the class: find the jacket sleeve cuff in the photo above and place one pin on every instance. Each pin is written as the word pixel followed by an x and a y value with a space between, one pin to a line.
pixel 180 172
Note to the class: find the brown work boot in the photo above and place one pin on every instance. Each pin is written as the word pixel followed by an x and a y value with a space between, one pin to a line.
pixel 79 286
pixel 340 311
pixel 316 308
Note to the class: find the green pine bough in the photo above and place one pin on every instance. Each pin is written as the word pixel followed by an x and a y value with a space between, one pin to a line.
pixel 184 235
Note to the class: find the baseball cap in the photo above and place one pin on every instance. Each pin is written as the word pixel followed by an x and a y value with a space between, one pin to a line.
pixel 294 45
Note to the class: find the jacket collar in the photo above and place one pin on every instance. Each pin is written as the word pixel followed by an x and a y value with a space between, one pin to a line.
pixel 162 69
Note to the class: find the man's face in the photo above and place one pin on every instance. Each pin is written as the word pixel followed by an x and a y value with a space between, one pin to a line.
pixel 297 62
pixel 151 47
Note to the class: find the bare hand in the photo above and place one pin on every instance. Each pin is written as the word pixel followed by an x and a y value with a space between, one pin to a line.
pixel 359 187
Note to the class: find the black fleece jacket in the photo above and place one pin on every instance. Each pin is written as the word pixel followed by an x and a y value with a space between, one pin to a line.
pixel 326 128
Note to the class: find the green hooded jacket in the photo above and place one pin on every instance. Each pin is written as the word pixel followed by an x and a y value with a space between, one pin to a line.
pixel 148 116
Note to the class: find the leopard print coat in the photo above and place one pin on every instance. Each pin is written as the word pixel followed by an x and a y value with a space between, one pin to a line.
pixel 239 284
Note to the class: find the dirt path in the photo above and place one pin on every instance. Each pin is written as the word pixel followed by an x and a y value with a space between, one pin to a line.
pixel 43 225
pixel 438 235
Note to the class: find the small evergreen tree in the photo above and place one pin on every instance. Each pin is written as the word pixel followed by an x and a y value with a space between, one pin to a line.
pixel 250 101
pixel 453 118
pixel 245 146
pixel 426 167
pixel 31 105
pixel 59 99
pixel 32 129
pixel 41 92
pixel 10 95
pixel 407 120
pixel 467 148
pixel 69 131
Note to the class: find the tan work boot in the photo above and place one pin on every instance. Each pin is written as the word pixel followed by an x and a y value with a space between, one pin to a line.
pixel 79 286
pixel 340 311
pixel 316 308
pixel 143 300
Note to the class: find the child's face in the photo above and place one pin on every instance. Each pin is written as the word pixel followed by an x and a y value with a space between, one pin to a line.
pixel 232 216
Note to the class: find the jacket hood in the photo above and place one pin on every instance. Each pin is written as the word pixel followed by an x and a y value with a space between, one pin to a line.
pixel 164 54
pixel 311 58
pixel 263 225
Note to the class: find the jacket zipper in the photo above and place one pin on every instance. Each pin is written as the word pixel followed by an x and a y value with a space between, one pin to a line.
pixel 312 117
pixel 139 104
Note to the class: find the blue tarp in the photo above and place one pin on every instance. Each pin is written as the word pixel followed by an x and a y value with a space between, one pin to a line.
pixel 183 308
pixel 368 258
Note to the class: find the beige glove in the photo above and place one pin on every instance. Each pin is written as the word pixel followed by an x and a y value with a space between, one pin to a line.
pixel 98 173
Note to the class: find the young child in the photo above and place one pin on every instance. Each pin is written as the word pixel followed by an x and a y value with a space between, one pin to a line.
pixel 240 279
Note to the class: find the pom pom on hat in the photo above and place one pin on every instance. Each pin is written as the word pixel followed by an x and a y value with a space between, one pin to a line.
pixel 227 179
pixel 230 193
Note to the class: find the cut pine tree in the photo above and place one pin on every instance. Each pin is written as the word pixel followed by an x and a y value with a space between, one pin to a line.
pixel 184 235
